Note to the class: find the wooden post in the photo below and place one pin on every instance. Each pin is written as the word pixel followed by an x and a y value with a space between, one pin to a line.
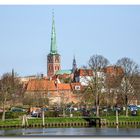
pixel 117 120
pixel 24 121
pixel 43 118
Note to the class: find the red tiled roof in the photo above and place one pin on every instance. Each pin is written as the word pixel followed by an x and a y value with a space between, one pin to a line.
pixel 113 70
pixel 43 84
pixel 62 86
pixel 40 84
pixel 84 72
pixel 113 75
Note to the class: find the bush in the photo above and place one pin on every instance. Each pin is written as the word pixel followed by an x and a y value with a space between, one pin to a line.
pixel 51 114
pixel 12 115
pixel 77 113
pixel 138 112
pixel 122 112
pixel 109 112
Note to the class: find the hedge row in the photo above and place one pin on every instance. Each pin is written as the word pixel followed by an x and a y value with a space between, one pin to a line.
pixel 12 115
pixel 122 112
pixel 57 114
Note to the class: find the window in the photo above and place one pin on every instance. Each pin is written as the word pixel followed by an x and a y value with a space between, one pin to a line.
pixel 77 87
pixel 57 59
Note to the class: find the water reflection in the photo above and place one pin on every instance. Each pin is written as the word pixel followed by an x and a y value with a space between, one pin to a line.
pixel 71 132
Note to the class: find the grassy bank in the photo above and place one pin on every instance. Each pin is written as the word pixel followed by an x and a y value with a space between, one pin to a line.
pixel 14 122
pixel 11 122
pixel 122 118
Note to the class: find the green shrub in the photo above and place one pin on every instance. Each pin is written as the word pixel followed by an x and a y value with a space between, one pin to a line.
pixel 107 113
pixel 77 113
pixel 122 112
pixel 138 112
pixel 13 115
pixel 51 114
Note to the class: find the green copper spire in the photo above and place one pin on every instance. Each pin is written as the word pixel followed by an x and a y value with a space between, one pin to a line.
pixel 53 37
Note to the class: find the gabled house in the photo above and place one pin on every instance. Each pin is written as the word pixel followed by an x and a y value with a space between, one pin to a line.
pixel 113 76
pixel 52 90
pixel 83 76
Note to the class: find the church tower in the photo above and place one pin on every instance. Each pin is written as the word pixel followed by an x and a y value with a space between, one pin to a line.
pixel 74 66
pixel 53 58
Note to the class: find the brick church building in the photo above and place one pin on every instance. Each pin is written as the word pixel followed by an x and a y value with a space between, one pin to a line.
pixel 53 58
pixel 54 89
pixel 50 86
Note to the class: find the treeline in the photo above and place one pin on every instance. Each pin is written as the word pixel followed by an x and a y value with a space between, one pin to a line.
pixel 108 90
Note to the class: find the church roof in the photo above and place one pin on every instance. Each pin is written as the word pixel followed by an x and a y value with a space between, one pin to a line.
pixel 53 49
pixel 61 72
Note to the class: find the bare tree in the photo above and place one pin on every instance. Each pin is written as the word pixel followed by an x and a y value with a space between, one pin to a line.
pixel 136 87
pixel 10 87
pixel 131 69
pixel 63 101
pixel 87 98
pixel 112 82
pixel 39 96
pixel 97 63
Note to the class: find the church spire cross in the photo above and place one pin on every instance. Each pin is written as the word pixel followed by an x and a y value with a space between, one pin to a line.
pixel 53 49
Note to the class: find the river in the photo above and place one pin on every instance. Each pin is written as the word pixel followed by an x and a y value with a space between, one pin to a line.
pixel 92 131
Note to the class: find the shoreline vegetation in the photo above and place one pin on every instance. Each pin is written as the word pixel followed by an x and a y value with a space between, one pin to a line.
pixel 69 121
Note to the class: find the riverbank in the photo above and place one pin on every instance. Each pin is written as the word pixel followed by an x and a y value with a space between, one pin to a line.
pixel 71 121
pixel 122 121
pixel 49 122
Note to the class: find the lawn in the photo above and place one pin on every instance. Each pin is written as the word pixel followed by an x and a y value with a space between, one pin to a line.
pixel 12 122
pixel 122 118
pixel 39 121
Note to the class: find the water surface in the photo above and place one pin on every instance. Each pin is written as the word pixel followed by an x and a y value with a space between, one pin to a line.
pixel 71 132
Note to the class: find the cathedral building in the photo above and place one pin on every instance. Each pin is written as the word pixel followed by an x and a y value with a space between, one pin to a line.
pixel 64 84
pixel 51 87
pixel 53 58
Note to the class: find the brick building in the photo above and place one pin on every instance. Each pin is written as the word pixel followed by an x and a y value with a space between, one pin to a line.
pixel 53 90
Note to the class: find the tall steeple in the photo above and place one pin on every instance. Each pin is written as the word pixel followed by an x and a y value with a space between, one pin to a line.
pixel 53 49
pixel 53 58
pixel 74 66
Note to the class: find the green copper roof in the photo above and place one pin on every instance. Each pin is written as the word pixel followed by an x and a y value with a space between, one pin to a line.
pixel 63 72
pixel 53 49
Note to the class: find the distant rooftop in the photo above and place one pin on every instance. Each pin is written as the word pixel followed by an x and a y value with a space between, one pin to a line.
pixel 61 72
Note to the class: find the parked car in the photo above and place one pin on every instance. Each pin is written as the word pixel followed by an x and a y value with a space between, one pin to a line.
pixel 134 113
pixel 133 107
pixel 36 113
pixel 45 109
pixel 16 109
